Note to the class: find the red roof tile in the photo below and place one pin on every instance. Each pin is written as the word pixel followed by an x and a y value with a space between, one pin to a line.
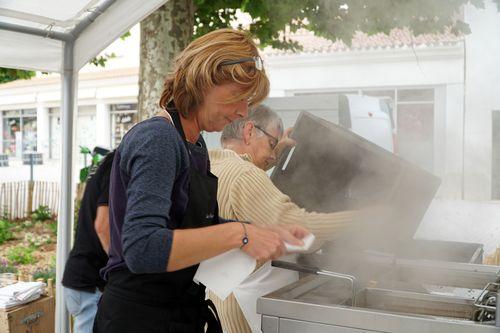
pixel 361 41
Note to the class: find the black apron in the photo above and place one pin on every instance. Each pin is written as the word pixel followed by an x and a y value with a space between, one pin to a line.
pixel 167 302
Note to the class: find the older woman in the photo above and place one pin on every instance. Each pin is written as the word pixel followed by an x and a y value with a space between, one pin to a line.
pixel 163 207
pixel 246 193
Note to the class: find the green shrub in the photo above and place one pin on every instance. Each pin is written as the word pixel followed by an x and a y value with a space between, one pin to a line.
pixel 5 231
pixel 45 274
pixel 41 214
pixel 21 255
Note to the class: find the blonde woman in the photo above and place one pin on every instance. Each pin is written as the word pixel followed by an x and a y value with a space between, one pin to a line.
pixel 163 207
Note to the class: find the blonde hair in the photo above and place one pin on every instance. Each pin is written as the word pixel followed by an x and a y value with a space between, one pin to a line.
pixel 198 68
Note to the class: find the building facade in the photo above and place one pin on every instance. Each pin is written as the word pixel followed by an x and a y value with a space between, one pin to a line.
pixel 107 108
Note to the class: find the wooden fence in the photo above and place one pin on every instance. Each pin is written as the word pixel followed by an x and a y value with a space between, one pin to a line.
pixel 17 197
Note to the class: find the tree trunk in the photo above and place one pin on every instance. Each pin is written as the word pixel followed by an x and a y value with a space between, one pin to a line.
pixel 164 34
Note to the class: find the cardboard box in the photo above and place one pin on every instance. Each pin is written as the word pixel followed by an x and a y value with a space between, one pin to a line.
pixel 35 317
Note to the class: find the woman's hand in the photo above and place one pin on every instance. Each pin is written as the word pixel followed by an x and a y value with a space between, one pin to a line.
pixel 290 233
pixel 263 244
pixel 267 243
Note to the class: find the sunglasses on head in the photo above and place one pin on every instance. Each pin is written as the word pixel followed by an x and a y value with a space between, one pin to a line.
pixel 259 64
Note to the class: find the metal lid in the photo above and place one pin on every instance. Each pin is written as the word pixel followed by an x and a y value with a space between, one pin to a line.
pixel 332 169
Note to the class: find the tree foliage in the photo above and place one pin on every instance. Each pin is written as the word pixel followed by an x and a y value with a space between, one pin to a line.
pixel 10 74
pixel 333 19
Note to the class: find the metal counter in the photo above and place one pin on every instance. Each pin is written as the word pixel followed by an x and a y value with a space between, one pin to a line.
pixel 318 304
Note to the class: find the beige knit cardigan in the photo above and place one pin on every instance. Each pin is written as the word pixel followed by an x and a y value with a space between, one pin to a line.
pixel 246 193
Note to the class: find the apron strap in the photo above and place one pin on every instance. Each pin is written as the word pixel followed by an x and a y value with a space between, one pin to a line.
pixel 211 317
pixel 166 115
pixel 208 311
pixel 175 119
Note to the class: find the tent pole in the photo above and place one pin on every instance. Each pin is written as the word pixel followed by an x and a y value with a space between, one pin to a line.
pixel 36 32
pixel 65 219
pixel 88 20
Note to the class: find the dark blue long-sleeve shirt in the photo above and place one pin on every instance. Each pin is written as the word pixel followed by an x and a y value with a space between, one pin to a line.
pixel 148 194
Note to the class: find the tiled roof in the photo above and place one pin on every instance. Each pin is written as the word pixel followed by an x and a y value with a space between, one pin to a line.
pixel 397 38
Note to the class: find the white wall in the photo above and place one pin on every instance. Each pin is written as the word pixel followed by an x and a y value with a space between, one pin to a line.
pixel 482 96
pixel 357 69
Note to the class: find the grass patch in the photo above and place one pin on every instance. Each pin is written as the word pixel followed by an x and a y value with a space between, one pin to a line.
pixel 21 255
pixel 5 231
pixel 52 227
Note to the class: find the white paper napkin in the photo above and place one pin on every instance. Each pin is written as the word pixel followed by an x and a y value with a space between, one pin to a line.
pixel 223 273
pixel 308 242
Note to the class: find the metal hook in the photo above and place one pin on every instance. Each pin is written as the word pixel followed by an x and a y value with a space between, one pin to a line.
pixel 94 10
pixel 49 28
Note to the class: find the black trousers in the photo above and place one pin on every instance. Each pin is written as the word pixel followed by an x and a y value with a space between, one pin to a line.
pixel 119 315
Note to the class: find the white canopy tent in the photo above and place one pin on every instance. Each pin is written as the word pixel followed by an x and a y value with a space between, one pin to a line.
pixel 62 36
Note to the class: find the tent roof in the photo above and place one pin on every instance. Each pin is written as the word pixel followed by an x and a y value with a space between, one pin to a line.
pixel 33 32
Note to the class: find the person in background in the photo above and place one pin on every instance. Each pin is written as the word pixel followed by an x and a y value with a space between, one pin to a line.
pixel 163 205
pixel 81 280
pixel 250 147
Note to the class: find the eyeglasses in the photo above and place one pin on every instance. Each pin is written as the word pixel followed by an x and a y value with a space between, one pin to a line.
pixel 275 139
pixel 259 63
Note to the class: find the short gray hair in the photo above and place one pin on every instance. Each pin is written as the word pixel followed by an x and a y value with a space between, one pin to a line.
pixel 261 116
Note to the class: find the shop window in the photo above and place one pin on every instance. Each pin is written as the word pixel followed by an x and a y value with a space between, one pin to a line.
pixel 416 134
pixel 85 131
pixel 19 131
pixel 415 123
pixel 388 96
pixel 412 116
pixel 123 117
pixel 416 95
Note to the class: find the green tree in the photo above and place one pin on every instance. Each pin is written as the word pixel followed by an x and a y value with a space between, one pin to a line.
pixel 10 74
pixel 165 32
